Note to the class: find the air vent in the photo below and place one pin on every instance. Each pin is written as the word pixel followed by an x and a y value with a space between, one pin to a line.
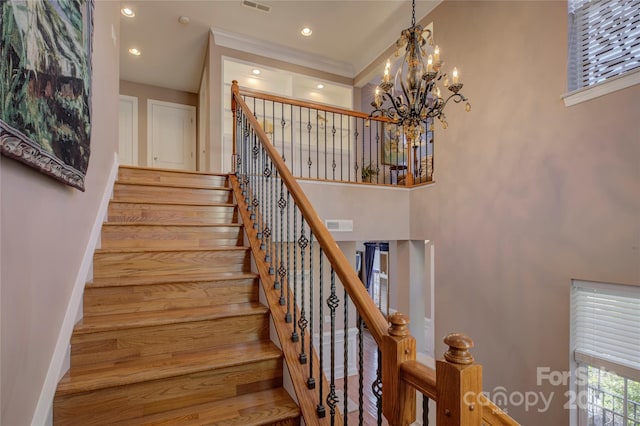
pixel 335 225
pixel 256 5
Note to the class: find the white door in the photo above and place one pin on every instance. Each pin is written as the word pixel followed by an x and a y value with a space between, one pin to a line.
pixel 171 135
pixel 128 131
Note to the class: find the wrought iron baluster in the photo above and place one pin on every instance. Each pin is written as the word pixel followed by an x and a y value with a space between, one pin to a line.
pixel 378 152
pixel 317 144
pixel 309 127
pixel 345 301
pixel 282 271
pixel 376 387
pixel 333 145
pixel 342 146
pixel 360 372
pixel 268 215
pixel 355 145
pixel 294 334
pixel 311 382
pixel 287 317
pixel 425 410
pixel 303 242
pixel 332 303
pixel 300 144
pixel 283 123
pixel 325 144
pixel 321 409
pixel 254 185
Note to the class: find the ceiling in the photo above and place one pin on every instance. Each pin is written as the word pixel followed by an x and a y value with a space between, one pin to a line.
pixel 348 34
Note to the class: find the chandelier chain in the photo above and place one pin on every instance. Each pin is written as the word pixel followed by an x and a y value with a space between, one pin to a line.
pixel 413 13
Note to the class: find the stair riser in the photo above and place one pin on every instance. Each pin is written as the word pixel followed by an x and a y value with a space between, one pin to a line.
pixel 143 193
pixel 149 264
pixel 166 213
pixel 108 406
pixel 139 176
pixel 129 344
pixel 156 297
pixel 170 237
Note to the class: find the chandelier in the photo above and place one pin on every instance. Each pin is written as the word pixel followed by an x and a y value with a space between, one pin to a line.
pixel 419 98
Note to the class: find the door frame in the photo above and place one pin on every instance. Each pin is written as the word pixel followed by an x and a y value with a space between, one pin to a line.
pixel 133 100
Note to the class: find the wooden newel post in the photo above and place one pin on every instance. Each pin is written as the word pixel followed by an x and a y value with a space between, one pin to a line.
pixel 235 91
pixel 398 397
pixel 459 384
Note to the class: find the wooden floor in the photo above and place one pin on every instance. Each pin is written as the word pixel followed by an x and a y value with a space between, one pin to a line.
pixel 370 364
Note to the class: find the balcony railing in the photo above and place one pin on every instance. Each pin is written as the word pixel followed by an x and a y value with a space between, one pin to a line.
pixel 332 144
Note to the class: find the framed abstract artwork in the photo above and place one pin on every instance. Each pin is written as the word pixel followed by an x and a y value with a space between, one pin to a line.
pixel 45 85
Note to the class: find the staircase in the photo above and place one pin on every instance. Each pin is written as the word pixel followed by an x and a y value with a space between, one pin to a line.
pixel 173 332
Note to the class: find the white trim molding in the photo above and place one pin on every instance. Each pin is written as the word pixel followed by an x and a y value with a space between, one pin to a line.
pixel 60 360
pixel 610 85
pixel 279 52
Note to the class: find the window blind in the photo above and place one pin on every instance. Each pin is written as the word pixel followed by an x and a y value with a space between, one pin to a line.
pixel 604 40
pixel 606 325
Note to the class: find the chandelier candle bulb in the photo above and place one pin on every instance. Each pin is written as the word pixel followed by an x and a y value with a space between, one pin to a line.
pixel 430 64
pixel 377 98
pixel 436 55
pixel 386 72
pixel 455 76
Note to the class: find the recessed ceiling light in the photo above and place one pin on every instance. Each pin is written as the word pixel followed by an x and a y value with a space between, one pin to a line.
pixel 256 71
pixel 306 32
pixel 184 20
pixel 135 52
pixel 320 86
pixel 127 12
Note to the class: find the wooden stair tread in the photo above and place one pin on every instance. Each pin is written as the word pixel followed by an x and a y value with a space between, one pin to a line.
pixel 110 374
pixel 165 250
pixel 160 169
pixel 171 203
pixel 172 185
pixel 255 409
pixel 166 279
pixel 170 224
pixel 99 323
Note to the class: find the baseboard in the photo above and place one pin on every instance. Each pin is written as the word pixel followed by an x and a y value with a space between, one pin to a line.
pixel 59 361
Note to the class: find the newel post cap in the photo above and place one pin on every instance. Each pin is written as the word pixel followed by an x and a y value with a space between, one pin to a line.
pixel 399 324
pixel 459 345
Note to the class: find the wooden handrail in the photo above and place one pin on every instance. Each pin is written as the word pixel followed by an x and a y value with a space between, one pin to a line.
pixel 364 304
pixel 421 377
pixel 311 105
pixel 492 415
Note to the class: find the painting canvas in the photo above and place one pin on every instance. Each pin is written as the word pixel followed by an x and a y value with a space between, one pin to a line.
pixel 45 85
pixel 394 149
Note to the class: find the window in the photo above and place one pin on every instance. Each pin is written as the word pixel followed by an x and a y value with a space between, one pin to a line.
pixel 605 332
pixel 604 40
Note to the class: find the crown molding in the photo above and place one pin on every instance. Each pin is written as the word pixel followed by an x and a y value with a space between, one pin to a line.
pixel 298 57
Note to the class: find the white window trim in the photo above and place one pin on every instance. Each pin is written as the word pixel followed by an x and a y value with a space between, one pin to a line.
pixel 610 85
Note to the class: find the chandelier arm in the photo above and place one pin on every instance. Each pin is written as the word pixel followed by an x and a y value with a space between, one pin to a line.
pixel 457 98
pixel 394 106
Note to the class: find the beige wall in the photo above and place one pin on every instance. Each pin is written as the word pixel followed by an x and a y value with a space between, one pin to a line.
pixel 529 194
pixel 144 92
pixel 45 229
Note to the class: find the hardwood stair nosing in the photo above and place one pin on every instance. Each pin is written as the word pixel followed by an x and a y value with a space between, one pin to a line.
pixel 122 282
pixel 174 203
pixel 159 367
pixel 168 250
pixel 172 185
pixel 91 324
pixel 186 172
pixel 177 224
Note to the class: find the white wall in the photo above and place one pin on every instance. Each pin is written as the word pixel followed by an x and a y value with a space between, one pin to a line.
pixel 45 228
